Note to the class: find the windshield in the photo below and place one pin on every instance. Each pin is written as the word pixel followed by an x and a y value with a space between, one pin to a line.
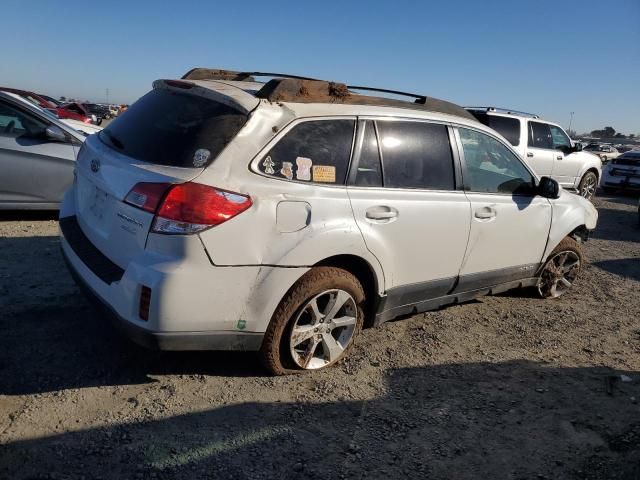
pixel 174 129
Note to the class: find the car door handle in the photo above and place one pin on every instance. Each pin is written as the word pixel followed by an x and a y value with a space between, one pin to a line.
pixel 485 212
pixel 559 157
pixel 381 212
pixel 529 154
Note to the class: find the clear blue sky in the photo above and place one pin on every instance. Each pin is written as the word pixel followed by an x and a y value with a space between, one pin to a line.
pixel 543 56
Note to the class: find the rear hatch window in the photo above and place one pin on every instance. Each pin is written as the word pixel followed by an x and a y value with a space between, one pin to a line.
pixel 174 129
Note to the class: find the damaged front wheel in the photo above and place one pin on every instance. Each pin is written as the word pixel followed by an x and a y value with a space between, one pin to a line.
pixel 561 269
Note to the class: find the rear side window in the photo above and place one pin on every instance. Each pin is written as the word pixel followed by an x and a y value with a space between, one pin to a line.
pixel 540 135
pixel 509 128
pixel 174 129
pixel 315 151
pixel 416 155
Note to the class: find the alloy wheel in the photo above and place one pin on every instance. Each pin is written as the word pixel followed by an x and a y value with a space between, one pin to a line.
pixel 323 329
pixel 558 274
pixel 588 188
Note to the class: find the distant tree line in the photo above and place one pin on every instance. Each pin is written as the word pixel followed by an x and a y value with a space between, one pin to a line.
pixel 610 132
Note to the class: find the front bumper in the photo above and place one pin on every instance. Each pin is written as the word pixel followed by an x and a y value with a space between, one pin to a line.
pixel 621 181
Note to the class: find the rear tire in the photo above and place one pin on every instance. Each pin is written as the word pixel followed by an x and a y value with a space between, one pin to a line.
pixel 561 269
pixel 316 322
pixel 588 185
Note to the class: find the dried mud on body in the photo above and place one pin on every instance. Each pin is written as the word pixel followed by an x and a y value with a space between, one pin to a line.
pixel 503 387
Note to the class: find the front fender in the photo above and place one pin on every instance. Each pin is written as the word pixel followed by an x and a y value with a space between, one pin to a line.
pixel 570 211
pixel 587 161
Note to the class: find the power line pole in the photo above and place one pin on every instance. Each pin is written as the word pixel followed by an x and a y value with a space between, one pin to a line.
pixel 571 120
pixel 107 95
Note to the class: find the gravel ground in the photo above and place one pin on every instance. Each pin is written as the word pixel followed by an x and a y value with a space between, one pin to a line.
pixel 504 387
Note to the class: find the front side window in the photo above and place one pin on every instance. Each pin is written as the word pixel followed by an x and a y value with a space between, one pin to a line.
pixel 316 151
pixel 16 123
pixel 540 135
pixel 560 139
pixel 491 167
pixel 416 155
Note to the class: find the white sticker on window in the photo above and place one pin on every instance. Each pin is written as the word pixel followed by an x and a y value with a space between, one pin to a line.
pixel 303 171
pixel 268 166
pixel 287 170
pixel 200 157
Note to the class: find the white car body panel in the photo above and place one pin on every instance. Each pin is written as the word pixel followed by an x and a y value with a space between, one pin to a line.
pixel 87 128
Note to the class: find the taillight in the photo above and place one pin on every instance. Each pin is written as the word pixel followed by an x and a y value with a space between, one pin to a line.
pixel 186 208
pixel 147 195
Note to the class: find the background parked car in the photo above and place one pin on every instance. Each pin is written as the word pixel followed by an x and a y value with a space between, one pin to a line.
pixel 100 111
pixel 31 96
pixel 622 173
pixel 545 147
pixel 76 111
pixel 37 156
pixel 55 102
pixel 82 127
pixel 605 152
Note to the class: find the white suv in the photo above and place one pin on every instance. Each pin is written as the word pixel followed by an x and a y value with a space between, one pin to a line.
pixel 218 212
pixel 546 147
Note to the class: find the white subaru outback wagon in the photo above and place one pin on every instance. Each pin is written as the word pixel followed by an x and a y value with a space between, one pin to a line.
pixel 219 212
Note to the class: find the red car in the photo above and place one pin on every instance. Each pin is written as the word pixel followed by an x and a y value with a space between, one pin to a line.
pixel 32 97
pixel 74 111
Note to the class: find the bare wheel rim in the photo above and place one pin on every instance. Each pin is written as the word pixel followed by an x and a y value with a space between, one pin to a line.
pixel 559 273
pixel 323 329
pixel 588 187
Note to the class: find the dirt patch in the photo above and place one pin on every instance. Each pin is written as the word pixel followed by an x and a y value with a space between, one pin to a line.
pixel 503 387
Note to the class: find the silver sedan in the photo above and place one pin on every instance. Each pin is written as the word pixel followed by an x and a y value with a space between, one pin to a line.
pixel 37 156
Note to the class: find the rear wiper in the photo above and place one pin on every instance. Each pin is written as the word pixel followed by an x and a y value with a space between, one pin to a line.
pixel 114 140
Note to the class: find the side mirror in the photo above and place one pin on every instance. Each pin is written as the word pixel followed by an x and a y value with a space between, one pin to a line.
pixel 56 134
pixel 577 147
pixel 548 188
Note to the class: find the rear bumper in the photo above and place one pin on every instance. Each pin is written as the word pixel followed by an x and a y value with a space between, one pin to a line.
pixel 217 340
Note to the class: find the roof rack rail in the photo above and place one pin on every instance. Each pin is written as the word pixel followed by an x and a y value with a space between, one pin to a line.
pixel 421 99
pixel 504 110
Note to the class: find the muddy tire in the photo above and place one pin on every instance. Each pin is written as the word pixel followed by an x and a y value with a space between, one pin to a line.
pixel 561 269
pixel 588 185
pixel 316 322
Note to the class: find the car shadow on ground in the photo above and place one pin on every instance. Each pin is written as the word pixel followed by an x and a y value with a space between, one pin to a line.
pixel 27 215
pixel 517 419
pixel 621 197
pixel 624 267
pixel 615 225
pixel 56 348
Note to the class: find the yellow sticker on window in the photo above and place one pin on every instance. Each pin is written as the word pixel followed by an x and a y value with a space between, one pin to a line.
pixel 324 173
